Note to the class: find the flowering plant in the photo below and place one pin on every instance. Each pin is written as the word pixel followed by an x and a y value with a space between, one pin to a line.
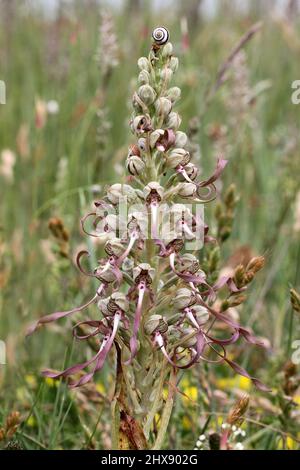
pixel 155 304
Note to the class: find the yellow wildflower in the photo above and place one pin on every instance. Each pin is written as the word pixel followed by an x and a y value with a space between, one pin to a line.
pixel 31 380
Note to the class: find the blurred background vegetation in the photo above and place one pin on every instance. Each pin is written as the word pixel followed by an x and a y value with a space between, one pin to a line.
pixel 64 134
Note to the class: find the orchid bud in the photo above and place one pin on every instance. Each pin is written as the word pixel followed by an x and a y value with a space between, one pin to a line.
pixel 187 190
pixel 147 94
pixel 118 301
pixel 133 150
pixel 144 77
pixel 119 191
pixel 188 262
pixel 177 157
pixel 143 269
pixel 173 64
pixel 142 144
pixel 107 275
pixel 166 74
pixel 155 323
pixel 201 314
pixel 143 64
pixel 188 342
pixel 114 247
pixel 153 189
pixel 184 298
pixel 163 107
pixel 127 265
pixel 135 165
pixel 154 136
pixel 102 304
pixel 167 50
pixel 173 334
pixel 180 139
pixel 173 94
pixel 173 121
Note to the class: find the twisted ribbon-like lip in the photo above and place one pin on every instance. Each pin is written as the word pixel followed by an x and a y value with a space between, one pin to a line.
pixel 137 319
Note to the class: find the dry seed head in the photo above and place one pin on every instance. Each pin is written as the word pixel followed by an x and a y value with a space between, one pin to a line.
pixel 58 229
pixel 230 198
pixel 239 275
pixel 295 300
pixel 13 419
pixel 239 409
pixel 2 434
pixel 256 264
pixel 237 300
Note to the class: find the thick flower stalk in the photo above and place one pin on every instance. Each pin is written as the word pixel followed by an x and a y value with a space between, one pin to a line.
pixel 154 302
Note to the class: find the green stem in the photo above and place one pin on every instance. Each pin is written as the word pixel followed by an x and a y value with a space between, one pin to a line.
pixel 156 402
pixel 166 415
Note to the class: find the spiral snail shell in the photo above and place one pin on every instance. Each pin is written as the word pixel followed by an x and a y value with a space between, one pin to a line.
pixel 160 36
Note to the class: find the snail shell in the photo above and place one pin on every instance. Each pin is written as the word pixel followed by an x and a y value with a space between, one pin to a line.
pixel 160 36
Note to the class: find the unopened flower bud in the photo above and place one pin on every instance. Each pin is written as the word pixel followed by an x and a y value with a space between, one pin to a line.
pixel 142 144
pixel 102 305
pixel 163 107
pixel 108 275
pixel 180 139
pixel 174 64
pixel 135 165
pixel 144 77
pixel 166 74
pixel 167 50
pixel 201 314
pixel 173 121
pixel 143 64
pixel 177 157
pixel 188 262
pixel 173 94
pixel 187 190
pixel 155 323
pixel 184 298
pixel 147 94
pixel 188 342
pixel 134 150
pixel 118 191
